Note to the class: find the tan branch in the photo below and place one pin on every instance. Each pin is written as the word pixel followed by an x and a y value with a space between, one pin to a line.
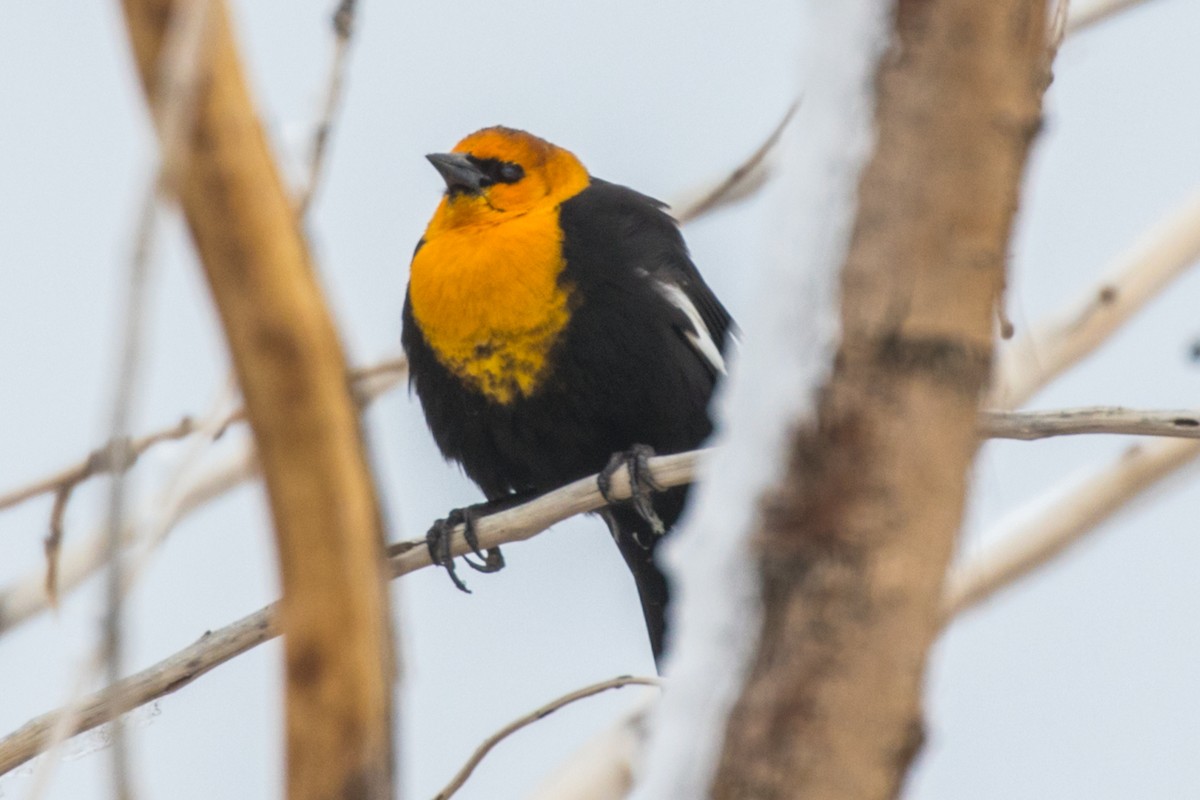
pixel 541 713
pixel 291 371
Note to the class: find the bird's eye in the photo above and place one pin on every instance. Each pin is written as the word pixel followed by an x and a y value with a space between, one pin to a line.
pixel 510 172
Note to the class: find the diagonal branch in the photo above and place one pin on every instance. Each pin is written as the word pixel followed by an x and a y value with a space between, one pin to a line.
pixel 745 180
pixel 1069 335
pixel 1032 539
pixel 290 366
pixel 537 714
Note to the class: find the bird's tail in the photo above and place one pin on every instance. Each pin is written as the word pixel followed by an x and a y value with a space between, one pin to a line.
pixel 638 543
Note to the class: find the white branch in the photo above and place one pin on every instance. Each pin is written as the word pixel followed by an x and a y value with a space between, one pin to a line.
pixel 1041 531
pixel 1066 337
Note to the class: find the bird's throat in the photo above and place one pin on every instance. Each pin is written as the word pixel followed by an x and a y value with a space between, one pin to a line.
pixel 490 303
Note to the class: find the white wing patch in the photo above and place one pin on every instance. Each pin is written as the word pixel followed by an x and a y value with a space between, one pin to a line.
pixel 699 336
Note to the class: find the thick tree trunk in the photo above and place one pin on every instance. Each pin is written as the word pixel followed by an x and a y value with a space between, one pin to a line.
pixel 292 372
pixel 856 536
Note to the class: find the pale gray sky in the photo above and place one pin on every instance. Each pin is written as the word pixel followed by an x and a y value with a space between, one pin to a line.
pixel 1079 683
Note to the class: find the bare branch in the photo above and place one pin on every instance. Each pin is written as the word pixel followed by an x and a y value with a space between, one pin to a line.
pixel 220 646
pixel 1029 425
pixel 603 768
pixel 343 30
pixel 464 773
pixel 290 365
pixel 1069 335
pixel 746 179
pixel 367 383
pixel 968 584
pixel 27 596
pixel 95 463
pixel 161 679
pixel 1035 537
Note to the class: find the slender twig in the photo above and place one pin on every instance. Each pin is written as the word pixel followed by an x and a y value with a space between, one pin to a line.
pixel 746 179
pixel 175 95
pixel 27 596
pixel 486 746
pixel 130 361
pixel 167 676
pixel 65 479
pixel 603 768
pixel 389 371
pixel 343 31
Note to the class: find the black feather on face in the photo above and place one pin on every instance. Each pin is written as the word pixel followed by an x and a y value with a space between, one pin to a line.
pixel 497 171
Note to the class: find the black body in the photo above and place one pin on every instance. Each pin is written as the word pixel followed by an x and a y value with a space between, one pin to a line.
pixel 623 372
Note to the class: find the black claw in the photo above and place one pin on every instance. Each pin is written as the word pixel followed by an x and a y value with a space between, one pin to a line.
pixel 492 560
pixel 641 485
pixel 437 539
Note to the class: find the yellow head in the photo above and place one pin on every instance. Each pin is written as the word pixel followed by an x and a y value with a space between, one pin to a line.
pixel 498 174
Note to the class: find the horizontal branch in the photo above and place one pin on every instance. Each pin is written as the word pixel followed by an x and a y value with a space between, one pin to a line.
pixel 975 581
pixel 1029 425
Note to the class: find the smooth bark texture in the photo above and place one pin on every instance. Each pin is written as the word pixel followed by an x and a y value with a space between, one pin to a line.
pixel 290 365
pixel 856 537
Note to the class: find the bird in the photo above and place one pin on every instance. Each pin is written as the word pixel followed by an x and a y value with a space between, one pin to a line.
pixel 556 327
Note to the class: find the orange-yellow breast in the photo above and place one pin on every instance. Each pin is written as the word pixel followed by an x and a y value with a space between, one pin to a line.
pixel 488 300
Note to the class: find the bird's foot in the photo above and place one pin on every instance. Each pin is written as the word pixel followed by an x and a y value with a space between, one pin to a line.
pixel 438 538
pixel 642 485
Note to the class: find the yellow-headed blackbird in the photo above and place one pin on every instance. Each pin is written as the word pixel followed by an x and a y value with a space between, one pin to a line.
pixel 553 320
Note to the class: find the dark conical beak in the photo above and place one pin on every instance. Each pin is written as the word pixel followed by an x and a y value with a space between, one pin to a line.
pixel 458 172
